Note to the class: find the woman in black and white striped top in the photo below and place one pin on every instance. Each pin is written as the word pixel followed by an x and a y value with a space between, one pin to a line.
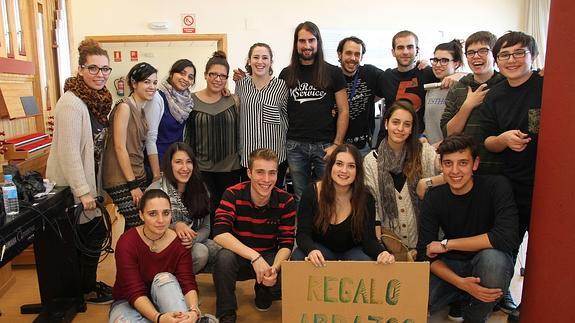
pixel 263 112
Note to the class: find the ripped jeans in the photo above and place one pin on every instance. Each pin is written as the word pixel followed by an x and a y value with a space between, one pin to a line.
pixel 166 295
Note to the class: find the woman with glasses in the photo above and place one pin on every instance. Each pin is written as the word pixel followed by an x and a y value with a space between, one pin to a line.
pixel 263 108
pixel 80 126
pixel 168 112
pixel 123 169
pixel 447 59
pixel 212 131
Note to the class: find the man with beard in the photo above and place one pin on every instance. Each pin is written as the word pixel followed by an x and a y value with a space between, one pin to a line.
pixel 406 81
pixel 364 83
pixel 315 89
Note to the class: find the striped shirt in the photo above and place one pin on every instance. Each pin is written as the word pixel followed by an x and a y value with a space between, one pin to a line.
pixel 267 228
pixel 263 117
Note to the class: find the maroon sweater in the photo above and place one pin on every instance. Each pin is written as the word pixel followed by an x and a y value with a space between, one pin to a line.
pixel 136 266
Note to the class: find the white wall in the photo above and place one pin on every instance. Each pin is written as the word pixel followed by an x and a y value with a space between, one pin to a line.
pixel 246 22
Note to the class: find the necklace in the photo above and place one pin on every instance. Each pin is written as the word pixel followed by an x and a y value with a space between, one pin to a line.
pixel 153 246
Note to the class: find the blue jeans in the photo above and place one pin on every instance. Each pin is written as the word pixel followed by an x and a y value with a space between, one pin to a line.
pixel 493 267
pixel 306 163
pixel 166 296
pixel 355 253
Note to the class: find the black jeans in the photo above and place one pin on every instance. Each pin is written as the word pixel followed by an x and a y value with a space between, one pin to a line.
pixel 92 234
pixel 229 268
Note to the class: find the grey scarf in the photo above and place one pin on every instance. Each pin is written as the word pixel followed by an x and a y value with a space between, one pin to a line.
pixel 180 103
pixel 388 162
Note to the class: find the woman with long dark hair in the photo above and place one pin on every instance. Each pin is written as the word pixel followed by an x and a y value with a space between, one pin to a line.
pixel 80 127
pixel 168 112
pixel 396 173
pixel 124 176
pixel 190 200
pixel 336 215
pixel 154 278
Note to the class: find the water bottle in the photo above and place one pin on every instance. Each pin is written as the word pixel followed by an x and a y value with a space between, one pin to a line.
pixel 10 195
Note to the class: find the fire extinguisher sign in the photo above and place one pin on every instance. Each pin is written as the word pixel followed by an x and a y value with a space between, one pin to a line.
pixel 117 56
pixel 188 23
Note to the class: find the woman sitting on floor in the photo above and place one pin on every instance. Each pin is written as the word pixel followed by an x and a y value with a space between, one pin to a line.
pixel 336 215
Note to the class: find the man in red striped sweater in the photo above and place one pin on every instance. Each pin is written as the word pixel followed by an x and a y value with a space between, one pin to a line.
pixel 255 225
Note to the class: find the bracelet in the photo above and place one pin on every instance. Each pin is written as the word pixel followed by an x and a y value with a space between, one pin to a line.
pixel 255 259
pixel 132 185
pixel 159 315
pixel 195 308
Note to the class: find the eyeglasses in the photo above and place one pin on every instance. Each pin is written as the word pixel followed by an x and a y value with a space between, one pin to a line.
pixel 440 61
pixel 213 75
pixel 482 52
pixel 506 56
pixel 95 69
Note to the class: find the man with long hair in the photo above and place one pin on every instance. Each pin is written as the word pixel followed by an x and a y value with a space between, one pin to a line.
pixel 315 89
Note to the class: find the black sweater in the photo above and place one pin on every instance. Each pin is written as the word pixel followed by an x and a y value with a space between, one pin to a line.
pixel 338 237
pixel 488 208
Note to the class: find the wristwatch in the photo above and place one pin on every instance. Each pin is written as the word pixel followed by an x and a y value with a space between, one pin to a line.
pixel 429 183
pixel 444 244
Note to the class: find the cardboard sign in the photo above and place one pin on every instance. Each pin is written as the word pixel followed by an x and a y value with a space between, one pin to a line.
pixel 355 292
pixel 188 23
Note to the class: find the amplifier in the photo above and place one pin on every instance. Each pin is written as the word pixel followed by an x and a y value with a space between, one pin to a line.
pixel 18 234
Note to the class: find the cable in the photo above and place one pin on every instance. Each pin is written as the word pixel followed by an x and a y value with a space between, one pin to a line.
pixel 84 241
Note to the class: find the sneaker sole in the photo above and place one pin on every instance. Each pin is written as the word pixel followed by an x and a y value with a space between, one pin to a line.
pixel 454 319
pixel 100 303
pixel 263 309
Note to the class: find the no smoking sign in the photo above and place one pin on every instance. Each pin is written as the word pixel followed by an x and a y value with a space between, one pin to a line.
pixel 188 23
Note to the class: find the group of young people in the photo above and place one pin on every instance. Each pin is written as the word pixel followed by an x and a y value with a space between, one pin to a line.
pixel 173 162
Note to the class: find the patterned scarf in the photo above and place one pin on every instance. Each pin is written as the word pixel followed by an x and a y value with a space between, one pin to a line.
pixel 388 162
pixel 99 102
pixel 180 103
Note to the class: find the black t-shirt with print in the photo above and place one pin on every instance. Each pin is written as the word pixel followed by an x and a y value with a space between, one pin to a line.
pixel 509 108
pixel 310 108
pixel 368 84
pixel 409 86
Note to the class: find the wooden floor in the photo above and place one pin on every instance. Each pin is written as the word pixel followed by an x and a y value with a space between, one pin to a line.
pixel 25 290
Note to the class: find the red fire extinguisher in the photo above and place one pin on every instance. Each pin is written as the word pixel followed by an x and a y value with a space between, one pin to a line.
pixel 119 85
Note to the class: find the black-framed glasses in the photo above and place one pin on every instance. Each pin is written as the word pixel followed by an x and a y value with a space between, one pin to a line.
pixel 213 75
pixel 440 61
pixel 517 54
pixel 95 69
pixel 482 52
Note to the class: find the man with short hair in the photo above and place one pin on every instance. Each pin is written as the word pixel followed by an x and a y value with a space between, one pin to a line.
pixel 315 88
pixel 255 225
pixel 406 81
pixel 461 114
pixel 479 219
pixel 364 83
pixel 510 118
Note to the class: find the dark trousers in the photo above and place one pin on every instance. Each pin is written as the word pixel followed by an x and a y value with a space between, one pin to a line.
pixel 92 234
pixel 229 268
pixel 217 183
